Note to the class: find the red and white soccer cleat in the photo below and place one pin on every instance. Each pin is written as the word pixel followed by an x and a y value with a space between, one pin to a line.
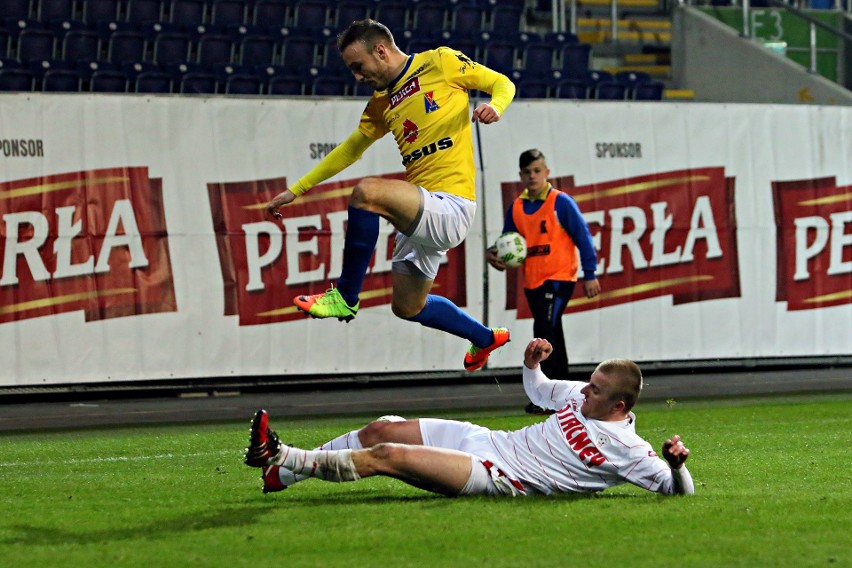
pixel 263 442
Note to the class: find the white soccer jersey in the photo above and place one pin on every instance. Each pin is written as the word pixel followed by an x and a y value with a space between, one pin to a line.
pixel 570 453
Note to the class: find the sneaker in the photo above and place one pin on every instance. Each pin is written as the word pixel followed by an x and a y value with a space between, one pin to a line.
pixel 329 304
pixel 476 357
pixel 271 479
pixel 263 442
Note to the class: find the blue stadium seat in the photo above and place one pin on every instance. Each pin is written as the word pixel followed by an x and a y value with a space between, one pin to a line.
pixel 361 90
pixel 198 83
pixel 243 85
pixel 573 59
pixel 16 80
pixel 98 10
pixel 499 55
pixel 560 38
pixel 15 9
pixel 300 51
pixel 271 14
pixel 5 40
pixel 229 12
pixel 87 67
pixel 329 86
pixel 35 44
pixel 9 63
pixel 467 20
pixel 466 45
pixel 214 49
pixel 153 82
pixel 171 47
pixel 610 91
pixel 649 91
pixel 285 85
pixel 187 12
pixel 310 14
pixel 48 10
pixel 427 17
pixel 533 89
pixel 108 81
pixel 505 20
pixel 539 58
pixel 394 15
pixel 141 11
pixel 631 78
pixel 61 80
pixel 81 44
pixel 257 50
pixel 572 89
pixel 349 11
pixel 126 46
pixel 594 76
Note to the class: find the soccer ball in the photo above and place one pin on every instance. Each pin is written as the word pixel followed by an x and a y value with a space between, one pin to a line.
pixel 511 249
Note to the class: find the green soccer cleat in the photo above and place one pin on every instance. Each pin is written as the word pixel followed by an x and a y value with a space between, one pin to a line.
pixel 476 357
pixel 329 304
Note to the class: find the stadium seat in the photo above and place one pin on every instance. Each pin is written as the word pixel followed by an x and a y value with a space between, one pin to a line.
pixel 61 80
pixel 299 51
pixel 35 44
pixel 108 81
pixel 81 44
pixel 310 14
pixel 499 55
pixel 631 78
pixel 538 58
pixel 170 47
pixel 348 12
pixel 214 49
pixel 15 9
pixel 394 15
pixel 16 80
pixel 271 14
pixel 48 10
pixel 427 17
pixel 198 83
pixel 257 50
pixel 126 46
pixel 141 11
pixel 98 10
pixel 533 89
pixel 419 44
pixel 187 12
pixel 87 67
pixel 560 38
pixel 573 59
pixel 359 89
pixel 572 89
pixel 5 40
pixel 467 20
pixel 243 85
pixel 9 63
pixel 229 12
pixel 649 91
pixel 505 20
pixel 329 86
pixel 466 45
pixel 285 85
pixel 153 82
pixel 610 91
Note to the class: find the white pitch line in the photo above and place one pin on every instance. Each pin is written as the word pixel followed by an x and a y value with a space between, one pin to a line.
pixel 114 459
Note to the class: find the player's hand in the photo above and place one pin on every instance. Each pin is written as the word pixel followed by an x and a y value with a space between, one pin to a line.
pixel 591 287
pixel 494 260
pixel 280 200
pixel 537 351
pixel 675 452
pixel 485 113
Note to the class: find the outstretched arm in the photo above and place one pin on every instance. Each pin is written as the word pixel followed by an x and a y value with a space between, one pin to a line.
pixel 336 161
pixel 675 453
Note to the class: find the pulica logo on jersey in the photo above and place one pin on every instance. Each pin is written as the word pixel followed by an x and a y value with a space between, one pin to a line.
pixel 266 263
pixel 442 144
pixel 429 100
pixel 664 234
pixel 813 220
pixel 93 241
pixel 410 131
pixel 410 87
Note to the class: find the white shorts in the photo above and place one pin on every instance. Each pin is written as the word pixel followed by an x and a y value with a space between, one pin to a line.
pixel 487 477
pixel 442 223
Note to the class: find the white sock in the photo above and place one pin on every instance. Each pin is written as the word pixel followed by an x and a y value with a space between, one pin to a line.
pixel 333 465
pixel 348 441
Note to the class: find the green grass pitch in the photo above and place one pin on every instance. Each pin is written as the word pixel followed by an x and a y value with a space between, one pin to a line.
pixel 773 488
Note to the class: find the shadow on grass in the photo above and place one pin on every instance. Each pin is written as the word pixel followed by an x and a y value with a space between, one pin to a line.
pixel 234 516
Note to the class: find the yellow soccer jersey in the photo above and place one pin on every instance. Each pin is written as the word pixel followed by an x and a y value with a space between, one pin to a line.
pixel 427 109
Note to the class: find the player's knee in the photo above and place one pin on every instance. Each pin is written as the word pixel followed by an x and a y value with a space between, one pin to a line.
pixel 364 194
pixel 375 433
pixel 407 309
pixel 387 456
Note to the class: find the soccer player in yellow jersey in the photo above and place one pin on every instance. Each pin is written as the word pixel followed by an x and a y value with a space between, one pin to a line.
pixel 423 100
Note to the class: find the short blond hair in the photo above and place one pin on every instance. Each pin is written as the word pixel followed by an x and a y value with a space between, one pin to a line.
pixel 628 378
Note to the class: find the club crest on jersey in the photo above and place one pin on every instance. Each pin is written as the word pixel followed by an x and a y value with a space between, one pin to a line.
pixel 411 87
pixel 410 131
pixel 429 99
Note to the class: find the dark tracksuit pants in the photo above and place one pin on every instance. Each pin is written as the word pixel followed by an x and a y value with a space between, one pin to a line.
pixel 547 304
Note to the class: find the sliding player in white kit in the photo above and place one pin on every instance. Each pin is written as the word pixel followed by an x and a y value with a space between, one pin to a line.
pixel 588 445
